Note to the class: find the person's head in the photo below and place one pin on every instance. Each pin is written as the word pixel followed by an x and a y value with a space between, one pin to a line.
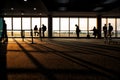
pixel 42 24
pixel 76 25
pixel 109 23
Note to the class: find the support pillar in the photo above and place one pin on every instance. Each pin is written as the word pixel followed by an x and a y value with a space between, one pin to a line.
pixel 49 26
pixel 99 26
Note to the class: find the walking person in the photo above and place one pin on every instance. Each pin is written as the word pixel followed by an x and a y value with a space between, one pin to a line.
pixel 95 31
pixel 77 30
pixel 35 30
pixel 105 31
pixel 40 33
pixel 110 30
pixel 43 29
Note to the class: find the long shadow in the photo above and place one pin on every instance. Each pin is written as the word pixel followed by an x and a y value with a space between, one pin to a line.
pixel 40 67
pixel 84 63
pixel 108 47
pixel 3 61
pixel 85 72
pixel 97 68
pixel 88 49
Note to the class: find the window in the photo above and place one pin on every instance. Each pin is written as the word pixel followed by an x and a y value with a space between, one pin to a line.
pixel 55 27
pixel 83 27
pixel 73 21
pixel 64 28
pixel 92 23
pixel 118 27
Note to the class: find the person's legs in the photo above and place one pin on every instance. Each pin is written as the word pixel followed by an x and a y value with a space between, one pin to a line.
pixel 77 35
pixel 43 34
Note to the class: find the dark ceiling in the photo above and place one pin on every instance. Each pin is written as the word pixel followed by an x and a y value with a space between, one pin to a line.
pixel 81 5
pixel 36 7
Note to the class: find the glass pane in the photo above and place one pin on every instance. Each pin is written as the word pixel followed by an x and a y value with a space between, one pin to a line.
pixel 118 23
pixel 55 27
pixel 92 23
pixel 118 27
pixel 16 26
pixel 17 23
pixel 73 22
pixel 83 27
pixel 8 22
pixel 64 27
pixel 26 26
pixel 35 21
pixel 26 23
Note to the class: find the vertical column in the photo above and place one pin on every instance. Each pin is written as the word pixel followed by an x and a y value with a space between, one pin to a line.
pixel 69 28
pixel 99 26
pixel 31 30
pixel 49 26
pixel 59 26
pixel 115 27
pixel 88 35
pixel 12 26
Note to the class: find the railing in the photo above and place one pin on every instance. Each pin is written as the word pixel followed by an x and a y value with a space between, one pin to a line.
pixel 23 33
pixel 71 33
pixel 56 33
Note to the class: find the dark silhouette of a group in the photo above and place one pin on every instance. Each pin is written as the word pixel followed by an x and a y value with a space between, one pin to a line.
pixel 41 30
pixel 107 32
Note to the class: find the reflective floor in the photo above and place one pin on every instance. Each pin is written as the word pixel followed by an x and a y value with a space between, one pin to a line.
pixel 59 59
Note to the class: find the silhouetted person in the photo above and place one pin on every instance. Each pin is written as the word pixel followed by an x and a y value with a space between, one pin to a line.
pixel 43 29
pixel 77 30
pixel 110 29
pixel 105 31
pixel 94 32
pixel 35 30
pixel 40 31
pixel 4 33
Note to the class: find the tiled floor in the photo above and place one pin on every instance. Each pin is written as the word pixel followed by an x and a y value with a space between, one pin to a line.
pixel 59 59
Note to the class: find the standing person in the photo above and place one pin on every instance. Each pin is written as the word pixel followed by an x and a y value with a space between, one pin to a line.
pixel 94 32
pixel 105 31
pixel 40 32
pixel 77 30
pixel 43 29
pixel 4 33
pixel 35 30
pixel 110 29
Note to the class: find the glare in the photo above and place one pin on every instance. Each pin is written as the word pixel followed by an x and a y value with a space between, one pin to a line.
pixel 34 9
pixel 12 8
pixel 25 0
pixel 62 1
pixel 109 1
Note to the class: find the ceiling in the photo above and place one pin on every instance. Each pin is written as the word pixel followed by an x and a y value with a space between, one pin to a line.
pixel 61 7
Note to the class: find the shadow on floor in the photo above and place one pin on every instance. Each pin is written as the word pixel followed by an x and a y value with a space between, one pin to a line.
pixel 3 65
